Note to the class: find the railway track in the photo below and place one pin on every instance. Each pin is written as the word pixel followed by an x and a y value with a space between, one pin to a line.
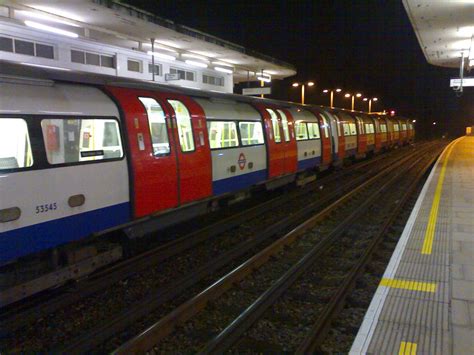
pixel 160 294
pixel 213 321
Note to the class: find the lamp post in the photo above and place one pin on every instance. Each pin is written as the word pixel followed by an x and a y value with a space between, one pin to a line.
pixel 331 100
pixel 374 99
pixel 309 83
pixel 353 97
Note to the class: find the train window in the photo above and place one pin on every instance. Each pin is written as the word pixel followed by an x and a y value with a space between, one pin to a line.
pixel 395 127
pixel 15 148
pixel 275 125
pixel 383 128
pixel 92 59
pixel 353 129
pixel 313 130
pixel 79 140
pixel 284 122
pixel 134 65
pixel 369 128
pixel 154 68
pixel 183 74
pixel 301 131
pixel 325 126
pixel 158 127
pixel 347 130
pixel 404 127
pixel 222 134
pixel 185 128
pixel 6 44
pixel 251 133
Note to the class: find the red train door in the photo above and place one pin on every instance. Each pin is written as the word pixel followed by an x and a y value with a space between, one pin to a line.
pixel 151 142
pixel 288 140
pixel 192 147
pixel 275 148
pixel 326 146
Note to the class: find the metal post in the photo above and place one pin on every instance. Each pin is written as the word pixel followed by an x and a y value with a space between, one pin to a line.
pixel 370 105
pixel 153 58
pixel 302 94
pixel 352 102
pixel 332 98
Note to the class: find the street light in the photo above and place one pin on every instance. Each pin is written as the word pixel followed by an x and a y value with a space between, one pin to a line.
pixel 353 96
pixel 295 85
pixel 331 100
pixel 374 99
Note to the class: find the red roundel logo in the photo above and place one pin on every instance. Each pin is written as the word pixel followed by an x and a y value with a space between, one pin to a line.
pixel 242 161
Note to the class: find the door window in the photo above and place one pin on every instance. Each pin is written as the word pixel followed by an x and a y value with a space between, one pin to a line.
pixel 15 148
pixel 158 127
pixel 185 128
pixel 284 122
pixel 275 126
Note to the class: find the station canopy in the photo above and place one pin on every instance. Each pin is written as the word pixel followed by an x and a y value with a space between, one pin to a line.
pixel 123 25
pixel 445 30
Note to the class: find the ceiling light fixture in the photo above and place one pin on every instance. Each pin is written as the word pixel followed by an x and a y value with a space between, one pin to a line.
pixel 58 31
pixel 196 64
pixel 161 55
pixel 223 70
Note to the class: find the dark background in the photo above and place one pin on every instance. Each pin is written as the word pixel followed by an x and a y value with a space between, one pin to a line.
pixel 360 46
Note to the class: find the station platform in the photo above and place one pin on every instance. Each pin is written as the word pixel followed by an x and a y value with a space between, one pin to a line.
pixel 424 303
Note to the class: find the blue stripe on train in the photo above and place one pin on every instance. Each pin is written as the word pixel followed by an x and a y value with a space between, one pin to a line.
pixel 31 239
pixel 309 163
pixel 239 182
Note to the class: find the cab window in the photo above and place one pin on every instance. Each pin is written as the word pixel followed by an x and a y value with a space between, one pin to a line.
pixel 222 134
pixel 185 128
pixel 157 125
pixel 81 139
pixel 15 148
pixel 275 125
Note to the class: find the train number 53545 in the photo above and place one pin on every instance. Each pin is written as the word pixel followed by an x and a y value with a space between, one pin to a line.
pixel 46 208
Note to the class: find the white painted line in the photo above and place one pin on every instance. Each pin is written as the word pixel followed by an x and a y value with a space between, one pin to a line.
pixel 371 318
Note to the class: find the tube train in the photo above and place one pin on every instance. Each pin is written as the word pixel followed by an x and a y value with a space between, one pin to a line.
pixel 83 155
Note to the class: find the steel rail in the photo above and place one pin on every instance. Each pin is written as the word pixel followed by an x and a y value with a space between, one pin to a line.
pixel 163 327
pixel 321 326
pixel 225 339
pixel 94 337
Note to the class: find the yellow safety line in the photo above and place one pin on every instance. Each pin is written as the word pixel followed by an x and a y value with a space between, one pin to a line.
pixel 409 285
pixel 430 229
pixel 407 348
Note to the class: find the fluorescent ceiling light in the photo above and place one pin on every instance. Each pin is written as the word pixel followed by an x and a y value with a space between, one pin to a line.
pixel 44 17
pixel 205 53
pixel 45 66
pixel 58 31
pixel 196 56
pixel 197 64
pixel 168 43
pixel 223 63
pixel 264 78
pixel 161 55
pixel 471 62
pixel 223 70
pixel 58 12
pixel 159 46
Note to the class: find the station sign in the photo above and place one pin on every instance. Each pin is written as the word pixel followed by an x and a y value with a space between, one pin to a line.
pixel 456 82
pixel 257 91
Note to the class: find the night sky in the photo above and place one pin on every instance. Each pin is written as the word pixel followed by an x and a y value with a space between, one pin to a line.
pixel 363 46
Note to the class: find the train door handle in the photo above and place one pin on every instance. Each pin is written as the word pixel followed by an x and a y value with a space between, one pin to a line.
pixel 233 169
pixel 76 200
pixel 9 214
pixel 250 165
